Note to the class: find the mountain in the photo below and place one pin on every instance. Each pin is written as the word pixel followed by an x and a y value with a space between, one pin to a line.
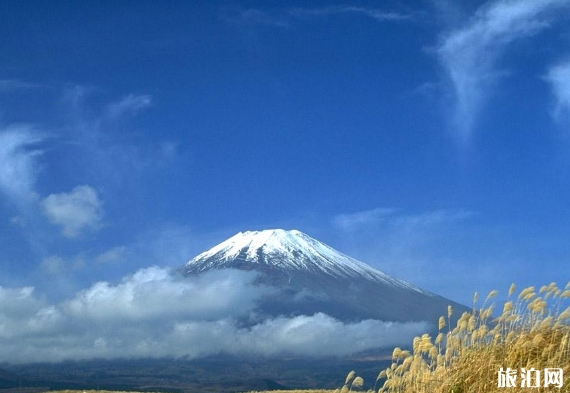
pixel 313 277
pixel 8 380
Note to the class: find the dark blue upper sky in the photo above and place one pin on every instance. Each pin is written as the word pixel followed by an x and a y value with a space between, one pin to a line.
pixel 429 139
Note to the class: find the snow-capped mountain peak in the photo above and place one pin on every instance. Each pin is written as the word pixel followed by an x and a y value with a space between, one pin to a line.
pixel 289 251
pixel 307 276
pixel 270 240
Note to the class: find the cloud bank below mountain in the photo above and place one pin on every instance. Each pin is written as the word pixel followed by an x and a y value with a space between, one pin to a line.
pixel 154 313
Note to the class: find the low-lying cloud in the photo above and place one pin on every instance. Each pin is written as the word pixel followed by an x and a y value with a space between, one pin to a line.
pixel 155 313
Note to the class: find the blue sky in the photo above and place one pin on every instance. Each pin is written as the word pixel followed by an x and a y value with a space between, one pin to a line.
pixel 430 139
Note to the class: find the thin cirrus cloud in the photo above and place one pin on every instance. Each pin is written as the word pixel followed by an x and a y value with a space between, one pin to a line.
pixel 93 128
pixel 19 167
pixel 391 217
pixel 22 147
pixel 255 17
pixel 421 247
pixel 284 17
pixel 9 85
pixel 559 79
pixel 75 212
pixel 469 54
pixel 374 13
pixel 351 222
pixel 130 104
pixel 114 255
pixel 148 315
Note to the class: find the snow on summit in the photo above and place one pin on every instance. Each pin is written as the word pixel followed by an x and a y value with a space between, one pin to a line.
pixel 308 277
pixel 288 250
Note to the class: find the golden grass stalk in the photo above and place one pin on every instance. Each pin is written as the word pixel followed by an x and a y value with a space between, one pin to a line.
pixel 357 383
pixel 533 331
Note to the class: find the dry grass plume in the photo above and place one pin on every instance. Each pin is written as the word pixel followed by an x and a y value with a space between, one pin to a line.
pixel 532 331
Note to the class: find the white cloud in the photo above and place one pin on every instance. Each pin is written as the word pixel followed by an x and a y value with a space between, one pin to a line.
pixel 354 221
pixel 377 14
pixel 19 221
pixel 394 218
pixel 426 248
pixel 23 313
pixel 156 314
pixel 155 293
pixel 432 219
pixel 252 16
pixel 76 211
pixel 61 268
pixel 317 335
pixel 18 161
pixel 283 18
pixel 170 244
pixel 115 254
pixel 53 265
pixel 469 54
pixel 92 125
pixel 559 79
pixel 9 85
pixel 129 104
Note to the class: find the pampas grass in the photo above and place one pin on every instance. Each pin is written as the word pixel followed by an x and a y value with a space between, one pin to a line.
pixel 532 331
pixel 351 382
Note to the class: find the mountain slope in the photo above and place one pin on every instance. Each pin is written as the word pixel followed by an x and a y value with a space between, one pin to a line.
pixel 314 277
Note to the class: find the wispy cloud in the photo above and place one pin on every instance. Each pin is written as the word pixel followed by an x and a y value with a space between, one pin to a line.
pixel 254 17
pixel 397 218
pixel 114 255
pixel 148 314
pixel 87 113
pixel 469 55
pixel 9 85
pixel 559 79
pixel 76 211
pixel 374 13
pixel 355 221
pixel 91 124
pixel 19 167
pixel 286 16
pixel 130 104
pixel 426 248
pixel 53 265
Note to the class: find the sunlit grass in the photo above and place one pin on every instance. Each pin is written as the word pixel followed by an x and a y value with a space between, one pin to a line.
pixel 532 332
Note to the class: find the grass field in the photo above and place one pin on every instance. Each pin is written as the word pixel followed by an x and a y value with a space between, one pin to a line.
pixel 532 333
